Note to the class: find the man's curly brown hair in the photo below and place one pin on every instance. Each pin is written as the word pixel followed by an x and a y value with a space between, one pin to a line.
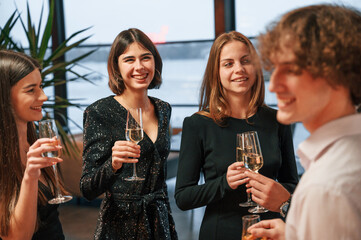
pixel 326 40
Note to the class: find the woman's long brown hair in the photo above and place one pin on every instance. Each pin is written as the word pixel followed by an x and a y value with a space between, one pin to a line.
pixel 213 102
pixel 14 66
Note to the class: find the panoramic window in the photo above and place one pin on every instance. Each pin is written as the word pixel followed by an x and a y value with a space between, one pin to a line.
pixel 182 30
pixel 183 36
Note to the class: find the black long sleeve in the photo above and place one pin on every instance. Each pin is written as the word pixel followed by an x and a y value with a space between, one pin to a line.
pixel 130 209
pixel 210 149
pixel 97 173
pixel 192 158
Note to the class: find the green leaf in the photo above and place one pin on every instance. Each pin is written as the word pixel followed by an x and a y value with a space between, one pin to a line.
pixel 47 32
pixel 6 41
pixel 63 65
pixel 52 64
pixel 69 145
pixel 62 48
pixel 84 77
pixel 31 34
pixel 41 17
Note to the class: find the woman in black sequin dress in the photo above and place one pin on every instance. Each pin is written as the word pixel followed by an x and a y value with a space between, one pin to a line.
pixel 130 209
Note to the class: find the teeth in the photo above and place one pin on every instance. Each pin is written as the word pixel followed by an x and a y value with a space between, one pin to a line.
pixel 36 108
pixel 285 101
pixel 140 77
pixel 241 79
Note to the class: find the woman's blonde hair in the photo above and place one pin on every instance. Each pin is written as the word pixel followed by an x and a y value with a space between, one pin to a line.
pixel 213 102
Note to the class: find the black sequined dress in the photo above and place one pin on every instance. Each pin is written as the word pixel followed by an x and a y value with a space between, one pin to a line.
pixel 130 210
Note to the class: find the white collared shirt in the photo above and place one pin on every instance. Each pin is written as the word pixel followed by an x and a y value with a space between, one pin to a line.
pixel 327 201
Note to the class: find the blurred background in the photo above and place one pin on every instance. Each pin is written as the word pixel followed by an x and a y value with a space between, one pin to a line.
pixel 183 31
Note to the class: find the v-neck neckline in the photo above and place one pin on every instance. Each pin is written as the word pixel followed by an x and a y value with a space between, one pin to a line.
pixel 156 110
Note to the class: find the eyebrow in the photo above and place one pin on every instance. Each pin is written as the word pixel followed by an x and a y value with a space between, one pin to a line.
pixel 145 54
pixel 226 59
pixel 30 85
pixel 231 59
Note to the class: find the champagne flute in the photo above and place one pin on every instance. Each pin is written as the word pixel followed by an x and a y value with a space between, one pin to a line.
pixel 240 158
pixel 253 160
pixel 47 129
pixel 134 133
pixel 247 221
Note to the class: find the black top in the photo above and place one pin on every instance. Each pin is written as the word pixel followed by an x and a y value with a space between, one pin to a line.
pixel 130 210
pixel 209 148
pixel 49 227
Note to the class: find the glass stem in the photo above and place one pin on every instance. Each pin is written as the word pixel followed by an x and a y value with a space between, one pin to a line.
pixel 258 206
pixel 134 169
pixel 249 199
pixel 56 192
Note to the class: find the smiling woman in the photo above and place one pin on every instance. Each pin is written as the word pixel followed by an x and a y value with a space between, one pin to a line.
pixel 232 56
pixel 237 73
pixel 26 181
pixel 137 66
pixel 130 209
pixel 232 102
pixel 27 97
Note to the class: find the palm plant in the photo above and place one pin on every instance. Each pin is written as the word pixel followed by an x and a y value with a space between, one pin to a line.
pixel 51 63
pixel 5 41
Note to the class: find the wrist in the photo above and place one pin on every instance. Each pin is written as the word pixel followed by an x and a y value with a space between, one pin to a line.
pixel 31 176
pixel 116 166
pixel 285 206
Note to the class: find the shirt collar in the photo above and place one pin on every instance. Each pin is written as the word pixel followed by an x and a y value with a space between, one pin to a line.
pixel 314 146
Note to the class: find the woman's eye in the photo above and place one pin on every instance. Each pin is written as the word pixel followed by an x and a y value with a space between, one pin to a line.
pixel 30 90
pixel 128 60
pixel 228 64
pixel 246 61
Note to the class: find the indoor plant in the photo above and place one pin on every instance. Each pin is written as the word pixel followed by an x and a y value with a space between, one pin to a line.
pixel 38 40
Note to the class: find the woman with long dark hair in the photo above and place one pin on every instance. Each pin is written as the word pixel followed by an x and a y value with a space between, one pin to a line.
pixel 26 178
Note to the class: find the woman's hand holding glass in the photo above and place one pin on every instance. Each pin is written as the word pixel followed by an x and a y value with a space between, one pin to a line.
pixel 124 152
pixel 35 160
pixel 235 175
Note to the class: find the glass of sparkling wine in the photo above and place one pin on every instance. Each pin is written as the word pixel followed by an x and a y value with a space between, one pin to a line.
pixel 134 133
pixel 247 221
pixel 240 152
pixel 48 129
pixel 253 160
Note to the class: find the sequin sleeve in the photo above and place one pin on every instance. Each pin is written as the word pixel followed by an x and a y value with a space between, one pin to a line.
pixel 97 174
